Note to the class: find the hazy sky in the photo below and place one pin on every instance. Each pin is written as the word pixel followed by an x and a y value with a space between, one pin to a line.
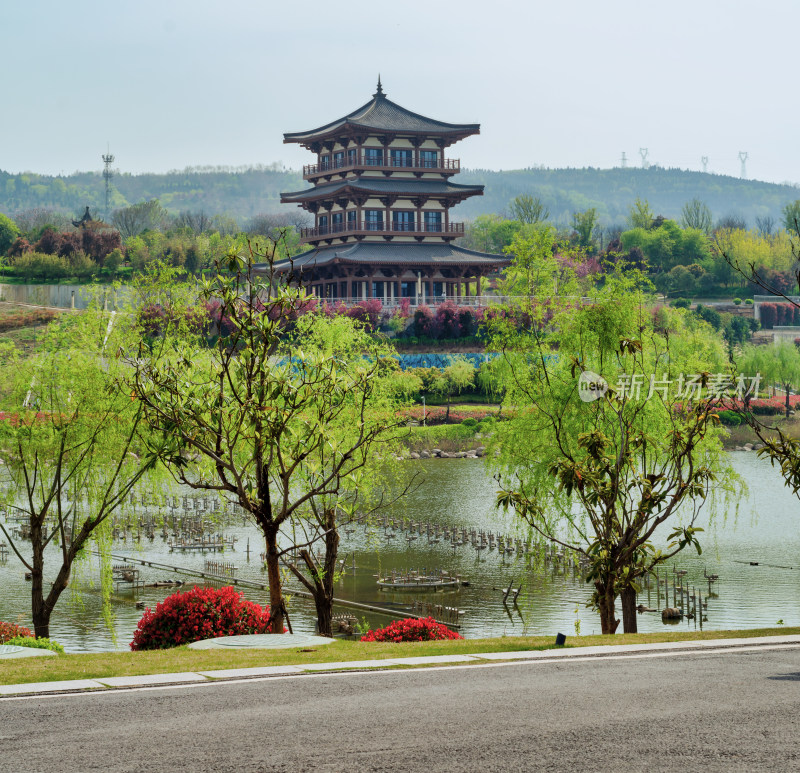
pixel 180 83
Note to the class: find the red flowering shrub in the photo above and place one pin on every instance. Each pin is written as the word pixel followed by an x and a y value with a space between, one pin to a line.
pixel 367 311
pixel 423 322
pixel 426 629
pixel 11 631
pixel 201 613
pixel 769 313
pixel 446 320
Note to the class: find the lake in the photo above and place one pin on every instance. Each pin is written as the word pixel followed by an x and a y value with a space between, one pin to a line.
pixel 459 492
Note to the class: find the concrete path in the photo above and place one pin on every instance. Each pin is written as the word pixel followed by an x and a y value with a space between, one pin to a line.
pixel 720 706
pixel 486 658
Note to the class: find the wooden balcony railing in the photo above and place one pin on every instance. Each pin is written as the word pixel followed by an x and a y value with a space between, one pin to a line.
pixel 360 227
pixel 382 164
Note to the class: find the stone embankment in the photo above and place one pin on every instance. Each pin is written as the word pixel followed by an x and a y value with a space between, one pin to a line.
pixel 475 453
pixel 749 447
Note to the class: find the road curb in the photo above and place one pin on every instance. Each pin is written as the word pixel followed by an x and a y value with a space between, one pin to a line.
pixel 192 678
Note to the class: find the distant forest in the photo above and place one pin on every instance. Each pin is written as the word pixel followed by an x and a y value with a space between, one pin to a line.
pixel 243 193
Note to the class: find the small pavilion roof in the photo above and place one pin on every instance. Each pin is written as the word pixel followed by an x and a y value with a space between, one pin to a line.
pixel 382 115
pixel 394 253
pixel 383 186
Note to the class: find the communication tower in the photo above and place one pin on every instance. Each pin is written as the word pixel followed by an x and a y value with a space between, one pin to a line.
pixel 108 173
pixel 643 153
pixel 704 162
pixel 743 158
pixel 624 160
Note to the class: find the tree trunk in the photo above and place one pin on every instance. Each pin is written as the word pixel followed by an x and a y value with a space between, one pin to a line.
pixel 276 607
pixel 606 606
pixel 40 612
pixel 629 622
pixel 323 579
pixel 324 614
pixel 788 404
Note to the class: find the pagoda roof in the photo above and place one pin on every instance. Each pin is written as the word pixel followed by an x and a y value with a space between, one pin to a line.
pixel 383 186
pixel 383 115
pixel 393 253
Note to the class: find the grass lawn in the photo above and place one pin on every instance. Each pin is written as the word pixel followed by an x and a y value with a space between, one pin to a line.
pixel 105 664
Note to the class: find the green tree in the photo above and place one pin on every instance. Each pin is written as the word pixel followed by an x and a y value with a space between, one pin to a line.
pixel 8 233
pixel 71 448
pixel 696 214
pixel 528 209
pixel 113 261
pixel 778 364
pixel 134 220
pixel 279 414
pixel 454 379
pixel 491 233
pixel 584 224
pixel 599 476
pixel 535 270
pixel 640 215
pixel 668 246
pixel 791 217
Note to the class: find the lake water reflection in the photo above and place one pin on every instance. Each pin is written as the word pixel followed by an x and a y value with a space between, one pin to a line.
pixel 458 492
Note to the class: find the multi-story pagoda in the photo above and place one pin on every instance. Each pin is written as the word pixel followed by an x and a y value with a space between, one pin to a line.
pixel 381 200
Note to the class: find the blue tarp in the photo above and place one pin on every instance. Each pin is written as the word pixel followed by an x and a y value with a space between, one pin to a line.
pixel 441 360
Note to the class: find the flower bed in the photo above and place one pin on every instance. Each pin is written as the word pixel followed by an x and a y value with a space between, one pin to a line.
pixel 201 613
pixel 426 629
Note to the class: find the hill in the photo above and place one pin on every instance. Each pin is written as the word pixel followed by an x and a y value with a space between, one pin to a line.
pixel 612 191
pixel 253 190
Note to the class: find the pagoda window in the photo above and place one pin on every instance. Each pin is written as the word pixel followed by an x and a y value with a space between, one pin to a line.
pixel 338 159
pixel 337 222
pixel 408 289
pixel 352 156
pixel 429 159
pixel 402 158
pixel 322 224
pixel 433 221
pixel 351 220
pixel 438 290
pixel 373 157
pixel 402 221
pixel 373 219
pixel 325 161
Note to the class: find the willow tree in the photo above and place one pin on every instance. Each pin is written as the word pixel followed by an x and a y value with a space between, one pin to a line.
pixel 612 435
pixel 70 449
pixel 271 413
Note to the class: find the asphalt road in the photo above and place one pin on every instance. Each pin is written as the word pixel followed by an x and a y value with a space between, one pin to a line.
pixel 704 712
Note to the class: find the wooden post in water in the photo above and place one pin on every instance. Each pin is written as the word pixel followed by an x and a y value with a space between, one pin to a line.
pixel 658 589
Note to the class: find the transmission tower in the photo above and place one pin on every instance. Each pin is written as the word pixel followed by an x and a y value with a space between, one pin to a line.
pixel 624 160
pixel 643 153
pixel 108 173
pixel 704 162
pixel 743 159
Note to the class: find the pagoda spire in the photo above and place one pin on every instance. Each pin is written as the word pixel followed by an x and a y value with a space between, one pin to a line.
pixel 379 92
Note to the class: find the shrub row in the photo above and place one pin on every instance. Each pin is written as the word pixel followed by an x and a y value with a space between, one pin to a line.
pixel 779 314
